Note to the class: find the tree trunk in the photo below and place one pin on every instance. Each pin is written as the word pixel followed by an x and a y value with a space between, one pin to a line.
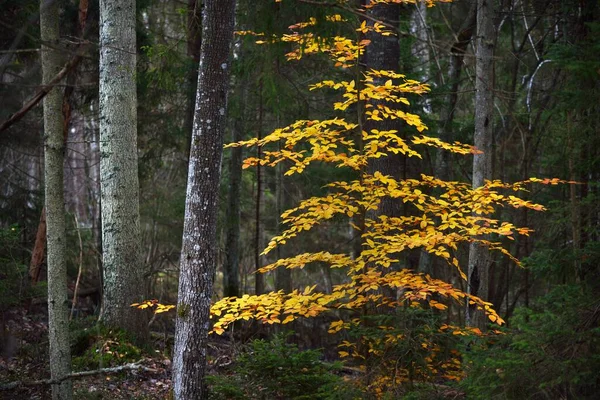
pixel 194 40
pixel 198 253
pixel 420 49
pixel 443 169
pixel 122 268
pixel 383 53
pixel 231 283
pixel 54 149
pixel 259 242
pixel 283 276
pixel 479 256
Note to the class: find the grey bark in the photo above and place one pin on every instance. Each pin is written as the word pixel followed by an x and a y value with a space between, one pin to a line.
pixel 479 256
pixel 198 253
pixel 54 148
pixel 122 267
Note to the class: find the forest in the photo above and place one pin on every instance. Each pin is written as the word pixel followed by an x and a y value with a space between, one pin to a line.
pixel 299 199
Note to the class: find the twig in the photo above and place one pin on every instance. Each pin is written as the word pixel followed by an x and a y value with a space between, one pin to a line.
pixel 76 375
pixel 41 94
pixel 76 289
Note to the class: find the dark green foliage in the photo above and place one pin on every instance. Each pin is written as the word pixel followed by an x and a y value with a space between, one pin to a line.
pixel 94 346
pixel 410 340
pixel 14 278
pixel 551 352
pixel 275 369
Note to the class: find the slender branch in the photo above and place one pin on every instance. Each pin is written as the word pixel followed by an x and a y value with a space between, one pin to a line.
pixel 16 117
pixel 76 375
pixel 76 289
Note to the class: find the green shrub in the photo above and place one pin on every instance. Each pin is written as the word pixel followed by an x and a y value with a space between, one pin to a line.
pixel 276 369
pixel 94 346
pixel 14 279
pixel 552 352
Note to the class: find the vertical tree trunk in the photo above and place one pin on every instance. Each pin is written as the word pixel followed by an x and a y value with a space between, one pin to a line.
pixel 259 279
pixel 420 49
pixel 455 65
pixel 122 267
pixel 443 169
pixel 283 276
pixel 479 256
pixel 576 224
pixel 198 255
pixel 231 283
pixel 194 40
pixel 383 53
pixel 54 148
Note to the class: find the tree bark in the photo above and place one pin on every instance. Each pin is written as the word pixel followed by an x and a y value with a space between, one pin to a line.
pixel 231 283
pixel 383 53
pixel 194 40
pixel 259 243
pixel 122 267
pixel 198 255
pixel 283 276
pixel 420 49
pixel 54 149
pixel 479 256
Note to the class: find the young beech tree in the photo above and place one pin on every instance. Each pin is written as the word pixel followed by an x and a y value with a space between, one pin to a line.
pixel 454 213
pixel 446 214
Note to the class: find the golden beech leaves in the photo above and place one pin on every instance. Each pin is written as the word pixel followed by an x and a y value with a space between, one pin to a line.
pixel 447 215
pixel 158 307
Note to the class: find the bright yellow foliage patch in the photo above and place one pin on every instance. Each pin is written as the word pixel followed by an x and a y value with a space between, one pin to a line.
pixel 448 213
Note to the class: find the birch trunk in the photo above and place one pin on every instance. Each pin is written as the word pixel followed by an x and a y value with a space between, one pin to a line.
pixel 122 268
pixel 198 253
pixel 479 256
pixel 54 148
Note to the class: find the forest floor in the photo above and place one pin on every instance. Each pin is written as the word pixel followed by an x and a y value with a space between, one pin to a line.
pixel 24 358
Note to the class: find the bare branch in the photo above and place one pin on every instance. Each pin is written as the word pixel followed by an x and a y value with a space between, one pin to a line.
pixel 76 375
pixel 16 117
